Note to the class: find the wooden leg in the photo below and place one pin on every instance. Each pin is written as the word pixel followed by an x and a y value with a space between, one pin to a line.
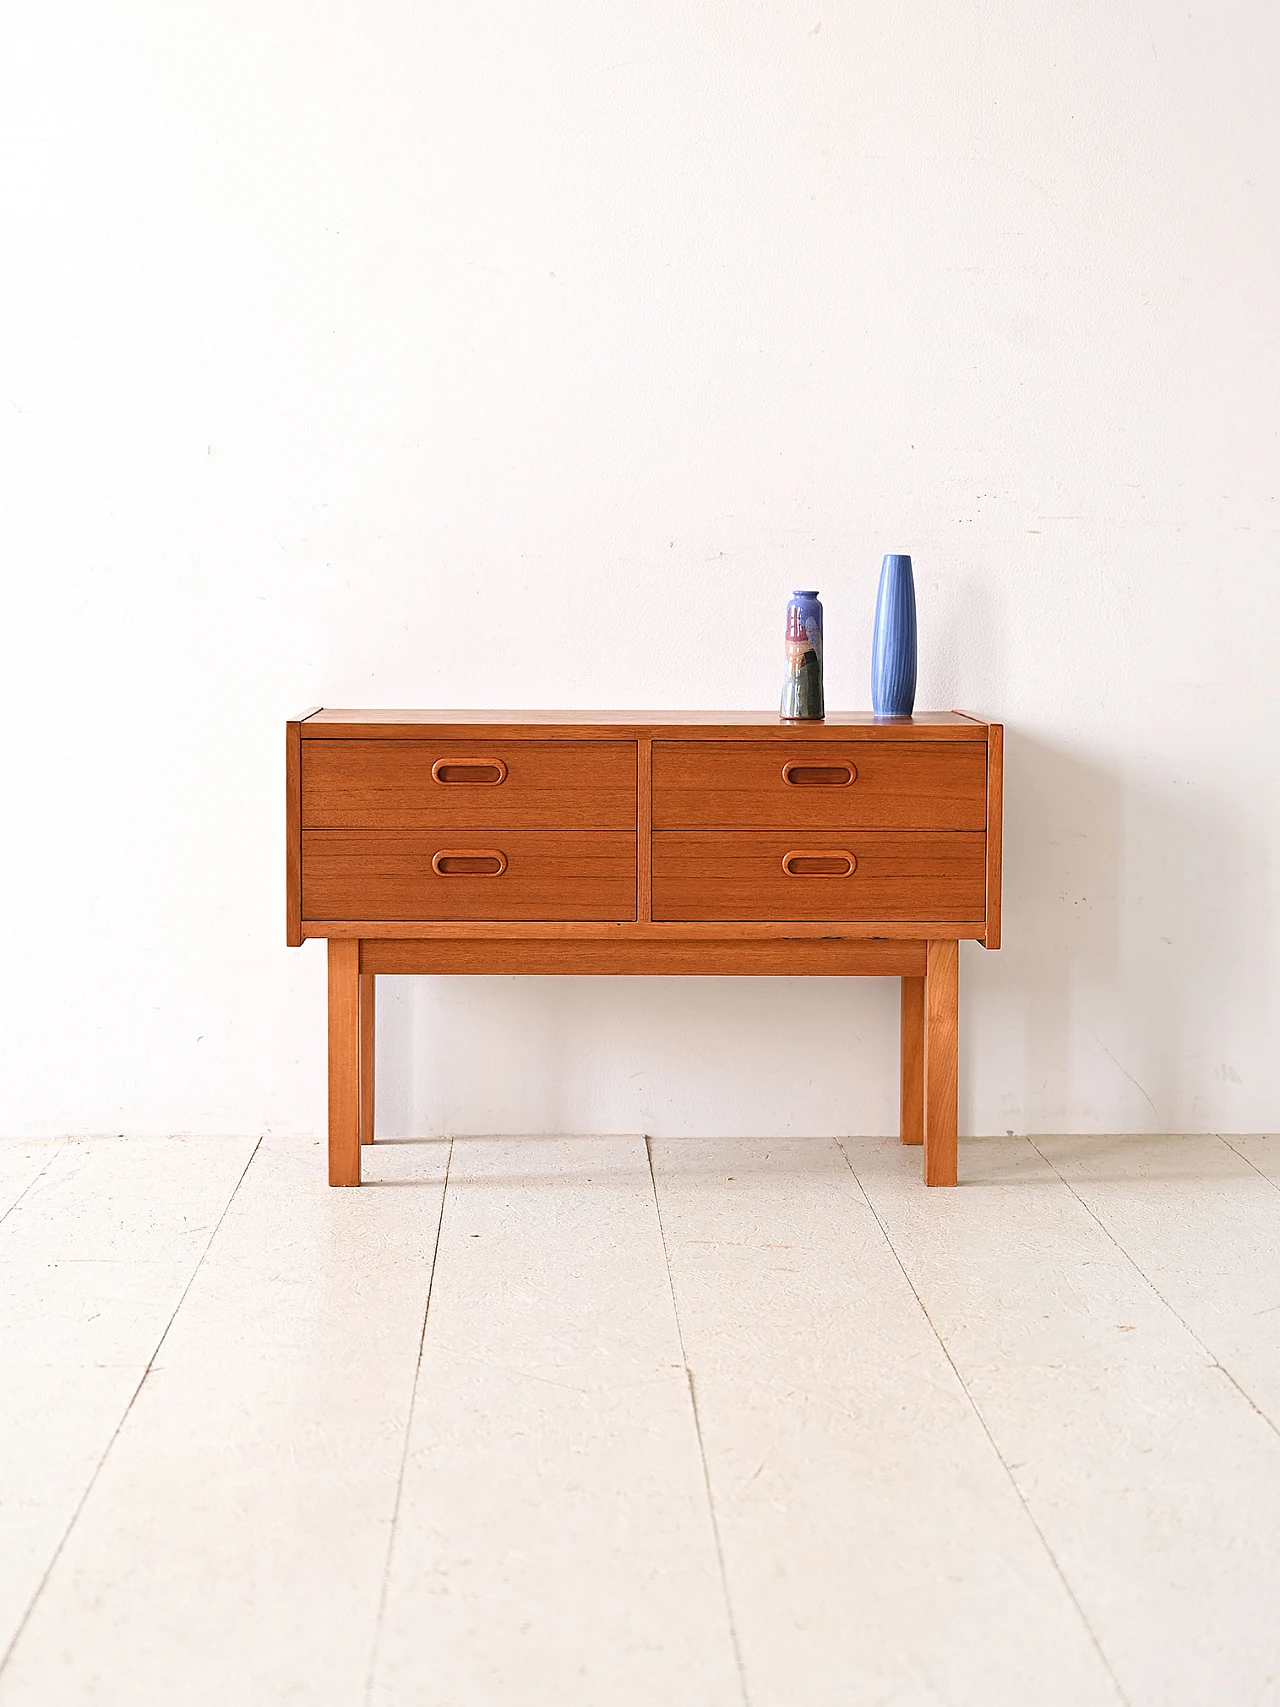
pixel 940 1049
pixel 344 1062
pixel 366 1057
pixel 912 1051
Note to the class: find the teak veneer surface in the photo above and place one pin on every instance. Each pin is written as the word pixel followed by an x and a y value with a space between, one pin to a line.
pixel 631 930
pixel 762 785
pixel 995 831
pixel 390 874
pixel 739 874
pixel 334 724
pixel 677 843
pixel 410 785
pixel 543 957
pixel 344 1063
pixel 941 1053
pixel 911 1059
pixel 293 933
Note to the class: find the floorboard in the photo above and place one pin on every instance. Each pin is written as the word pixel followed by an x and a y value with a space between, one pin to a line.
pixel 1203 1227
pixel 1261 1150
pixel 554 1546
pixel 95 1255
pixel 1154 1480
pixel 875 1547
pixel 234 1547
pixel 22 1161
pixel 854 1442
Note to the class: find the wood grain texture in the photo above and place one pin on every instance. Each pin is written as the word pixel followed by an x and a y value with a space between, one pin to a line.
pixel 732 785
pixel 739 875
pixel 344 1063
pixel 589 930
pixel 368 1024
pixel 995 832
pixel 911 1049
pixel 553 843
pixel 644 831
pixel 293 833
pixel 547 957
pixel 387 874
pixel 940 1063
pixel 408 725
pixel 293 825
pixel 393 785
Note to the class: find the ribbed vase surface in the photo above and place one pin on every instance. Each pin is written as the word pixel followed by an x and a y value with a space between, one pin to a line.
pixel 893 650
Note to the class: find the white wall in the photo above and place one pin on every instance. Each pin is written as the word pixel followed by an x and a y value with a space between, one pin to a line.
pixel 530 354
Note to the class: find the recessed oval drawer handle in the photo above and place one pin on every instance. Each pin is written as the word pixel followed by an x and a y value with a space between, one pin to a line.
pixel 819 862
pixel 489 772
pixel 799 774
pixel 469 862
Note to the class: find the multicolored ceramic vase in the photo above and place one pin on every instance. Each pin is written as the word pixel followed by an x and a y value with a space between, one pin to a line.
pixel 893 650
pixel 802 684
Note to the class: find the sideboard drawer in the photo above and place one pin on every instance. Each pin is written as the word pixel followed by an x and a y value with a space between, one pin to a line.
pixel 865 875
pixel 414 874
pixel 507 784
pixel 810 784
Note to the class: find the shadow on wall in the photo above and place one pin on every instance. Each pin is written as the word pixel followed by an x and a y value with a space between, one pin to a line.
pixel 711 1057
pixel 1121 956
pixel 1111 1008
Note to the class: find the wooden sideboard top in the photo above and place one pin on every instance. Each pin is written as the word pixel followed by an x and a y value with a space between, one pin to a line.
pixel 327 723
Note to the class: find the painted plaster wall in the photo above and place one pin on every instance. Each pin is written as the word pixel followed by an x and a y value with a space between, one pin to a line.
pixel 531 355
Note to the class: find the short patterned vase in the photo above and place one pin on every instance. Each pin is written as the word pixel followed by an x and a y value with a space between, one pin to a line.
pixel 893 650
pixel 802 684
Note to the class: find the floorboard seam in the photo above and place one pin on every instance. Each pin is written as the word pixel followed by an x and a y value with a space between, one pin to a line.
pixel 697 1429
pixel 983 1424
pixel 408 1426
pixel 125 1414
pixel 1222 1139
pixel 1155 1290
pixel 35 1179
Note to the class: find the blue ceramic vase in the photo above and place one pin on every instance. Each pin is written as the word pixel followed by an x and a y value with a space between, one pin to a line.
pixel 802 684
pixel 893 651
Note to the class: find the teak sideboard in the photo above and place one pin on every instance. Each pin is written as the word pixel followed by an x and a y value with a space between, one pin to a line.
pixel 551 842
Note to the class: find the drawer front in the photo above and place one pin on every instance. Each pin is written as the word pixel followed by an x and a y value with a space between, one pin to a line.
pixel 417 874
pixel 446 785
pixel 815 785
pixel 865 876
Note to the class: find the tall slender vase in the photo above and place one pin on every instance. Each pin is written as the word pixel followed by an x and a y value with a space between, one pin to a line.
pixel 802 684
pixel 893 651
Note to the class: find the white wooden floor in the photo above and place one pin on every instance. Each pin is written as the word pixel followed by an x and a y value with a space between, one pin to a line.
pixel 590 1422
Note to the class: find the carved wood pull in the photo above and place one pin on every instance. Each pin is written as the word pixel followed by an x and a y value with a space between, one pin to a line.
pixel 800 774
pixel 469 862
pixel 489 772
pixel 819 862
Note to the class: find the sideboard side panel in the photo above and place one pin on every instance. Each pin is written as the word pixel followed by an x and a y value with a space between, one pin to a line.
pixel 293 833
pixel 995 831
